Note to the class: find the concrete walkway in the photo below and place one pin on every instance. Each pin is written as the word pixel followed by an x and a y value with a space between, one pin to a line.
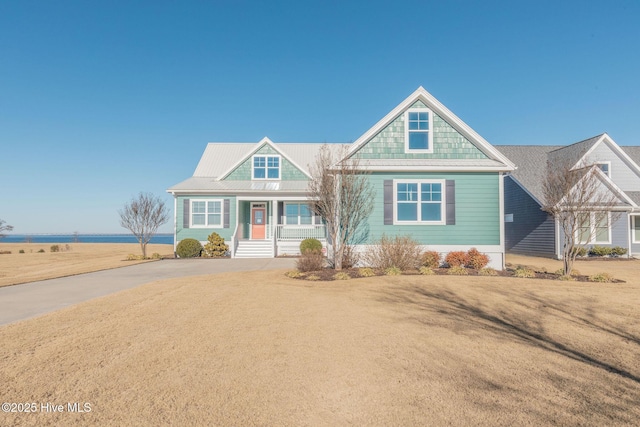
pixel 33 299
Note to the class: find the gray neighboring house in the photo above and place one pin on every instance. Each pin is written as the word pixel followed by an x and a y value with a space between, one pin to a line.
pixel 531 231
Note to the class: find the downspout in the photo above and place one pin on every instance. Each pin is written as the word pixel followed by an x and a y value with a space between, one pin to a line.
pixel 629 231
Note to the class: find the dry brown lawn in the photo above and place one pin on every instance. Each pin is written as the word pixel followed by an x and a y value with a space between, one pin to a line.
pixel 257 348
pixel 81 258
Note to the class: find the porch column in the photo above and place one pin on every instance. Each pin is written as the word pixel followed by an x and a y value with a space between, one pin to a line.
pixel 274 216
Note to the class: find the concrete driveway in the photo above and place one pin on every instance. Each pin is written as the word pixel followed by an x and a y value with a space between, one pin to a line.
pixel 33 299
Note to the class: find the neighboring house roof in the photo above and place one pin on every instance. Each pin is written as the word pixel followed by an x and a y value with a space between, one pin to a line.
pixel 633 152
pixel 571 154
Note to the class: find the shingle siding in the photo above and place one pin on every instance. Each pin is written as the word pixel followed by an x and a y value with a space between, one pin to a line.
pixel 532 230
pixel 288 172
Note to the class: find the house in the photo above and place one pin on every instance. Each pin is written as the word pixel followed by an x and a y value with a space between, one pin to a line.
pixel 434 178
pixel 530 230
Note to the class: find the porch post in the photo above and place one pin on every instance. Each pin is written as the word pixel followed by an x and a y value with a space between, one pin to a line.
pixel 274 217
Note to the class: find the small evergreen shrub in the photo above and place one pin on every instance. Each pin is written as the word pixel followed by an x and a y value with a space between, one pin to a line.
pixel 156 255
pixel 132 257
pixel 294 274
pixel 574 272
pixel 392 271
pixel 617 251
pixel 601 277
pixel 341 275
pixel 189 248
pixel 476 259
pixel 458 270
pixel 566 278
pixel 599 251
pixel 579 251
pixel 21 251
pixel 487 271
pixel 401 252
pixel 431 259
pixel 456 259
pixel 310 260
pixel 41 251
pixel 9 252
pixel 313 277
pixel 310 245
pixel 55 248
pixel 524 273
pixel 426 271
pixel 216 247
pixel 366 272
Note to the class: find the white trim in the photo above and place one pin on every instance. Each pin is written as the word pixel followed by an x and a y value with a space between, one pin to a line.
pixel 502 214
pixel 443 201
pixel 635 223
pixel 428 168
pixel 299 202
pixel 206 213
pixel 175 222
pixel 266 167
pixel 429 131
pixel 593 231
pixel 255 205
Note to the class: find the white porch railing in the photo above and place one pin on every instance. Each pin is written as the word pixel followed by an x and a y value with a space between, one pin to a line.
pixel 300 232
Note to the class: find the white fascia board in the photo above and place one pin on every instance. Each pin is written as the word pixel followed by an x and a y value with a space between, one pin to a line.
pixel 432 169
pixel 604 179
pixel 605 138
pixel 422 95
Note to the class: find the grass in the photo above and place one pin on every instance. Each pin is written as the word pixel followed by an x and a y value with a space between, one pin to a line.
pixel 258 348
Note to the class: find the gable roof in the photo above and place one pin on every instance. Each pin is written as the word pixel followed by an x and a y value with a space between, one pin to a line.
pixel 500 161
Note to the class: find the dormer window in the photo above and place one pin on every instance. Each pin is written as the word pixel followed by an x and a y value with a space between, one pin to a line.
pixel 418 135
pixel 266 167
pixel 605 167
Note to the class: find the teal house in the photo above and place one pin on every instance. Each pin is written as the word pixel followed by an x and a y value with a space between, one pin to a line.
pixel 434 178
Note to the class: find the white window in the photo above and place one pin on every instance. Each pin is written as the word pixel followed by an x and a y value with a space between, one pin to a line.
pixel 299 214
pixel 419 202
pixel 206 213
pixel 636 229
pixel 594 228
pixel 266 167
pixel 418 135
pixel 605 167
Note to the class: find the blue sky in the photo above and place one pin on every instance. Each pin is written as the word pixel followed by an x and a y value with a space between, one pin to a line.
pixel 102 100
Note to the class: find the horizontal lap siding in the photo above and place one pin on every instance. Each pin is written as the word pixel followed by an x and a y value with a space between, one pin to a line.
pixel 201 234
pixel 477 211
pixel 532 230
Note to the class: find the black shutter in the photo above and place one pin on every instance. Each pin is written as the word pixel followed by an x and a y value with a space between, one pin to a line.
pixel 226 213
pixel 388 202
pixel 451 202
pixel 185 213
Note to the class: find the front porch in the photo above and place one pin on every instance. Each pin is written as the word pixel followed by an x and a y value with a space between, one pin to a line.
pixel 269 228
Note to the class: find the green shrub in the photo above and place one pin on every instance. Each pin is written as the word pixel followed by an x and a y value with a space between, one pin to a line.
pixel 156 255
pixel 41 251
pixel 366 272
pixel 132 257
pixel 215 246
pixel 341 275
pixel 618 251
pixel 313 277
pixel 456 259
pixel 431 259
pixel 487 271
pixel 426 271
pixel 524 273
pixel 310 260
pixel 601 277
pixel 392 271
pixel 294 274
pixel 476 259
pixel 55 248
pixel 401 252
pixel 599 251
pixel 574 272
pixel 21 251
pixel 580 251
pixel 189 248
pixel 458 270
pixel 310 245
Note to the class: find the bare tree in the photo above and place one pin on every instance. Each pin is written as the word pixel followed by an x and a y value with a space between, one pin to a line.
pixel 142 216
pixel 4 227
pixel 340 192
pixel 579 200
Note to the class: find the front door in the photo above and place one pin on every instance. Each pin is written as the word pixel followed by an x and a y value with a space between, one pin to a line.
pixel 258 219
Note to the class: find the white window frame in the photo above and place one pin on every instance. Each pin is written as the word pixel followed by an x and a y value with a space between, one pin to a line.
pixel 443 219
pixel 206 213
pixel 592 230
pixel 315 220
pixel 636 224
pixel 429 132
pixel 608 173
pixel 266 167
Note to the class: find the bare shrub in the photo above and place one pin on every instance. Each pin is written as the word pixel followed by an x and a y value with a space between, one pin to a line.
pixel 310 261
pixel 400 251
pixel 350 257
pixel 457 259
pixel 431 259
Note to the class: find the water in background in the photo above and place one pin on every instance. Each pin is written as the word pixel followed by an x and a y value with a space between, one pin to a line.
pixel 83 238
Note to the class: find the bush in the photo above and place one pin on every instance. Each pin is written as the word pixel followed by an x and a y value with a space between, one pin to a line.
pixel 366 272
pixel 574 272
pixel 9 252
pixel 401 252
pixel 566 278
pixel 294 274
pixel 310 260
pixel 189 248
pixel 341 275
pixel 215 246
pixel 156 255
pixel 350 257
pixel 55 248
pixel 599 251
pixel 456 259
pixel 524 273
pixel 579 251
pixel 431 259
pixel 313 277
pixel 618 251
pixel 426 271
pixel 21 251
pixel 41 251
pixel 310 245
pixel 476 259
pixel 458 270
pixel 601 277
pixel 487 271
pixel 392 271
pixel 132 257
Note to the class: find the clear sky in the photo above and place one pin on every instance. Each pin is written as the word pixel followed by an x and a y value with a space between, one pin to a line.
pixel 102 100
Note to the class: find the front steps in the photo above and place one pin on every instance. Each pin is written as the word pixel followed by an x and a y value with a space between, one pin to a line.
pixel 254 249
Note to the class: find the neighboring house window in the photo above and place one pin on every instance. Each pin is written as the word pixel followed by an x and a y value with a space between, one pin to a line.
pixel 419 202
pixel 636 229
pixel 206 213
pixel 266 167
pixel 605 167
pixel 299 214
pixel 418 135
pixel 594 228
